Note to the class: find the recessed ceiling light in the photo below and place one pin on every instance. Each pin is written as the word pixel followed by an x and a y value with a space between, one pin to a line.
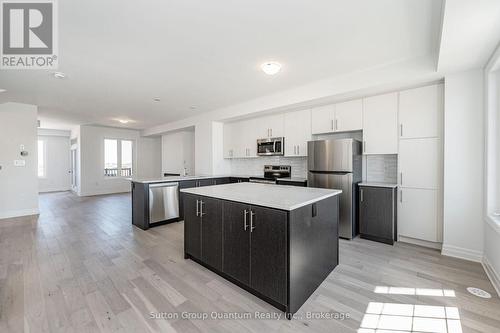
pixel 156 99
pixel 59 75
pixel 271 67
pixel 124 121
pixel 2 90
pixel 192 107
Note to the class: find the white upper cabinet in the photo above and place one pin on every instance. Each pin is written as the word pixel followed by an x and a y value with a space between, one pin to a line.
pixel 269 127
pixel 322 119
pixel 297 132
pixel 228 140
pixel 380 124
pixel 420 112
pixel 349 116
pixel 420 163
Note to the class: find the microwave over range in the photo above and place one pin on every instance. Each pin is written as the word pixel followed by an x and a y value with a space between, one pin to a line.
pixel 271 146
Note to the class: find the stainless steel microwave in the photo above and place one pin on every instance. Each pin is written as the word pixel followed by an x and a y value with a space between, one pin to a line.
pixel 271 146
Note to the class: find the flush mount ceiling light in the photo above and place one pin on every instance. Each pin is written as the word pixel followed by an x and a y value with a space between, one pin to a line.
pixel 59 75
pixel 156 99
pixel 2 90
pixel 271 67
pixel 124 121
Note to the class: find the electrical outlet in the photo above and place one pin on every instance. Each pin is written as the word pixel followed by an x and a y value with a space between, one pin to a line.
pixel 21 147
pixel 19 163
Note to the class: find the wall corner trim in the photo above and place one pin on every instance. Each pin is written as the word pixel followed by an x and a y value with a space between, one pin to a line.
pixel 493 275
pixel 462 253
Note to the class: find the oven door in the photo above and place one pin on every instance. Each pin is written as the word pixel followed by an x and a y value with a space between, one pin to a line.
pixel 273 146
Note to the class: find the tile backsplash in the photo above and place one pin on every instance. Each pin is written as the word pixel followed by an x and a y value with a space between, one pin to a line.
pixel 381 168
pixel 255 166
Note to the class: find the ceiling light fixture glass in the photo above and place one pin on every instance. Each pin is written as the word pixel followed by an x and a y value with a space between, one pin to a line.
pixel 271 67
pixel 124 121
pixel 2 90
pixel 59 75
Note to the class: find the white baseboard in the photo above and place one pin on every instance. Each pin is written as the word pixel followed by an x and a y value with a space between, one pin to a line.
pixel 493 275
pixel 102 192
pixel 55 189
pixel 419 242
pixel 17 213
pixel 462 253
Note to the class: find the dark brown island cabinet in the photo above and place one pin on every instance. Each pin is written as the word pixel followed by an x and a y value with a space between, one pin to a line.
pixel 280 256
pixel 143 194
pixel 378 213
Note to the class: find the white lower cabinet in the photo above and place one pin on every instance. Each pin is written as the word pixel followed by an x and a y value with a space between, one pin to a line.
pixel 297 132
pixel 418 214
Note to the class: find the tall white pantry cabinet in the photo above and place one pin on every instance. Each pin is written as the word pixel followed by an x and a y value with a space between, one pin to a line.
pixel 420 164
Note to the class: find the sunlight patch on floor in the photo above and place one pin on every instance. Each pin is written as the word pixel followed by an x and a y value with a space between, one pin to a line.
pixel 406 318
pixel 414 291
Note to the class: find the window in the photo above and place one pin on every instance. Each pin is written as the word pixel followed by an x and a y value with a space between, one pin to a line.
pixel 41 159
pixel 118 157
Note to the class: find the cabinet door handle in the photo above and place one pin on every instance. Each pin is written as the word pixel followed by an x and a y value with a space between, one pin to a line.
pixel 331 124
pixel 401 129
pixel 252 214
pixel 197 209
pixel 364 146
pixel 298 150
pixel 295 150
pixel 401 177
pixel 245 224
pixel 361 193
pixel 401 197
pixel 336 124
pixel 201 208
pixel 271 130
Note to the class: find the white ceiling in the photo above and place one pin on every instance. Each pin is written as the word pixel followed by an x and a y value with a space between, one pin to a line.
pixel 119 55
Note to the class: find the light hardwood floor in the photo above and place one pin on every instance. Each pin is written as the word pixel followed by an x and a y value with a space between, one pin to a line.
pixel 81 267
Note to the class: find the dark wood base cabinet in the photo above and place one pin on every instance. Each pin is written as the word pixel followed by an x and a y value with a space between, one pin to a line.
pixel 378 214
pixel 279 256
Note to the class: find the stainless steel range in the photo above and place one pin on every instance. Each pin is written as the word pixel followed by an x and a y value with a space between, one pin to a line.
pixel 272 173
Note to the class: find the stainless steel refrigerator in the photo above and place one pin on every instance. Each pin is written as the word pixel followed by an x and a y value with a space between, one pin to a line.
pixel 336 164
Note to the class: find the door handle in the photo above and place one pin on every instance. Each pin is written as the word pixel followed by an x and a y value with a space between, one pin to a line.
pixel 252 214
pixel 401 197
pixel 298 150
pixel 295 150
pixel 201 208
pixel 401 177
pixel 197 209
pixel 331 124
pixel 401 129
pixel 245 224
pixel 361 193
pixel 271 131
pixel 336 124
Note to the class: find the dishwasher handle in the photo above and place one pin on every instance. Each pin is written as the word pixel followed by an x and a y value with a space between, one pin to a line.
pixel 163 185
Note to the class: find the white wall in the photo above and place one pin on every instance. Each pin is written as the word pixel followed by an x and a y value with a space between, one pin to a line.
pixel 19 185
pixel 92 177
pixel 57 150
pixel 178 152
pixel 463 165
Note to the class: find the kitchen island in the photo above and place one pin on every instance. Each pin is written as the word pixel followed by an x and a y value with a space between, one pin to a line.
pixel 277 242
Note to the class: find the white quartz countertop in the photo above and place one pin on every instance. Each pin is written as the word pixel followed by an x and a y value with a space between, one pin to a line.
pixel 180 178
pixel 375 184
pixel 267 195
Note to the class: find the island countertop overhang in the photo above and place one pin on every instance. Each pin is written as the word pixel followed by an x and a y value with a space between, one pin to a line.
pixel 266 195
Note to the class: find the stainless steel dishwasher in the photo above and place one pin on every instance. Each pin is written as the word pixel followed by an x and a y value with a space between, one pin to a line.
pixel 163 202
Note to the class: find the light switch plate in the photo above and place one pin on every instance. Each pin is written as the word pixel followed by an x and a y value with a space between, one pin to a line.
pixel 19 163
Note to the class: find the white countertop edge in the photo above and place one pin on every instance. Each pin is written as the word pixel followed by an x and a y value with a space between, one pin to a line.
pixel 374 184
pixel 196 191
